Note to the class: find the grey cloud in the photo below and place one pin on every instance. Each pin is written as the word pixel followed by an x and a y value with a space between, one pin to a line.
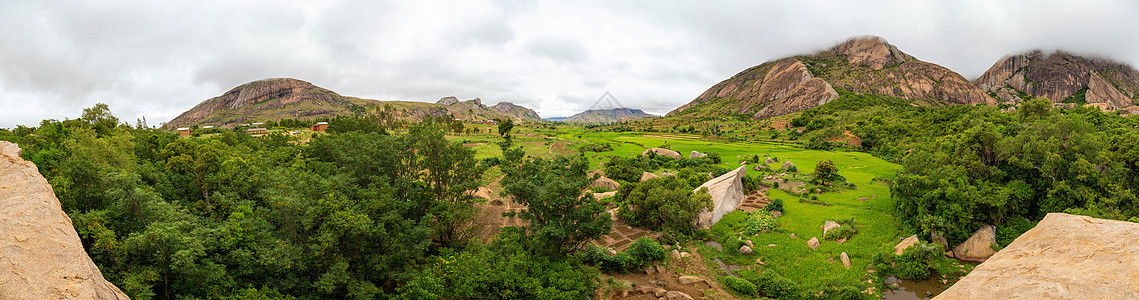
pixel 156 59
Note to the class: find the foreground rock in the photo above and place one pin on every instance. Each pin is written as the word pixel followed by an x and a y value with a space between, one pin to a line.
pixel 662 151
pixel 42 257
pixel 1063 257
pixel 979 246
pixel 727 192
pixel 828 225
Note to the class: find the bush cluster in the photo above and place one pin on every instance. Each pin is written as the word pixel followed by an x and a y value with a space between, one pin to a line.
pixel 641 253
pixel 741 286
pixel 760 221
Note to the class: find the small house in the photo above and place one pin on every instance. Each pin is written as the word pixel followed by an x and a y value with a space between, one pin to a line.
pixel 207 127
pixel 257 131
pixel 184 131
pixel 319 126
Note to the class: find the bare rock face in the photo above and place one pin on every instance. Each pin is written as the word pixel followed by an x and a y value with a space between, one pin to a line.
pixel 979 246
pixel 42 256
pixel 727 192
pixel 447 101
pixel 864 64
pixel 906 243
pixel 1060 75
pixel 662 151
pixel 518 113
pixel 1063 257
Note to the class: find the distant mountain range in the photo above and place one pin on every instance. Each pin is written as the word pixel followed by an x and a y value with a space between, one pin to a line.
pixel 605 116
pixel 287 98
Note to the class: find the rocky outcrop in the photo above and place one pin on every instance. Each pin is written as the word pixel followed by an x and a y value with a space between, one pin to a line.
pixel 1063 257
pixel 727 192
pixel 287 98
pixel 1061 76
pixel 608 115
pixel 662 151
pixel 979 246
pixel 695 154
pixel 606 183
pixel 42 256
pixel 863 64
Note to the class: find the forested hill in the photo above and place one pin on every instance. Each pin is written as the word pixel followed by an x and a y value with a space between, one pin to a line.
pixel 864 65
pixel 287 98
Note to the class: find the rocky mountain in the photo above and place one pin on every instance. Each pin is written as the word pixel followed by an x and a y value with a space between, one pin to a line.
pixel 1062 77
pixel 287 98
pixel 43 257
pixel 608 115
pixel 863 64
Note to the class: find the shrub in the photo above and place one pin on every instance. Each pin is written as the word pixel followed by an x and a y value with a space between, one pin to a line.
pixel 842 232
pixel 1013 229
pixel 645 250
pixel 771 283
pixel 776 204
pixel 741 286
pixel 761 221
pixel 664 203
pixel 914 263
pixel 602 147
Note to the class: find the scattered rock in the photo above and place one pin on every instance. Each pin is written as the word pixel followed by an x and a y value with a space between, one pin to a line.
pixel 749 243
pixel 676 295
pixel 906 243
pixel 689 280
pixel 695 154
pixel 660 269
pixel 845 260
pixel 745 250
pixel 647 176
pixel 481 193
pixel 612 251
pixel 828 225
pixel 769 161
pixel 658 282
pixel 979 246
pixel 605 182
pixel 675 254
pixel 792 235
pixel 41 256
pixel 771 245
pixel 659 292
pixel 662 151
pixel 684 254
pixel 786 165
pixel 813 243
pixel 650 270
pixel 863 199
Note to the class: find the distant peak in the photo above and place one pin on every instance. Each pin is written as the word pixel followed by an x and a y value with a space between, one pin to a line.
pixel 872 51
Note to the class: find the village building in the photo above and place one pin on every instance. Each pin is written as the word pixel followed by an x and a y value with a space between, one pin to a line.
pixel 184 131
pixel 257 131
pixel 319 126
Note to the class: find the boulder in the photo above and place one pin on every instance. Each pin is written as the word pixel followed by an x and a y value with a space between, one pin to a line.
pixel 749 243
pixel 676 295
pixel 597 172
pixel 662 151
pixel 647 176
pixel 695 154
pixel 727 193
pixel 828 225
pixel 906 243
pixel 979 246
pixel 603 195
pixel 42 256
pixel 1063 257
pixel 745 250
pixel 940 240
pixel 769 160
pixel 675 254
pixel 604 182
pixel 787 164
pixel 813 243
pixel 845 260
pixel 659 292
pixel 687 280
pixel 481 193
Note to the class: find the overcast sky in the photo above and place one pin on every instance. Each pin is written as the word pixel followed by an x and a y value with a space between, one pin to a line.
pixel 159 58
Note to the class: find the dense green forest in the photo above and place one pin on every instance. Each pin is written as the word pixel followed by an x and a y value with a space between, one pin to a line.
pixel 358 213
pixel 964 166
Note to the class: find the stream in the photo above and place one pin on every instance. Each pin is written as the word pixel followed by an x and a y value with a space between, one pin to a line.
pixel 726 267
